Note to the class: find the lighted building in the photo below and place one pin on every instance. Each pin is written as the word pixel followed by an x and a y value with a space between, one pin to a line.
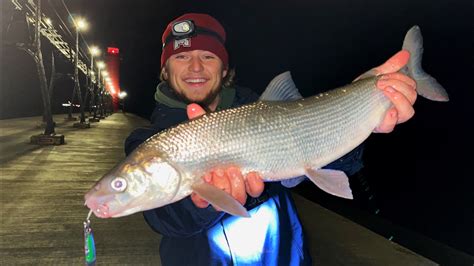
pixel 113 68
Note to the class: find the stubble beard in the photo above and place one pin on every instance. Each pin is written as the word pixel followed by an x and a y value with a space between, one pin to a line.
pixel 208 100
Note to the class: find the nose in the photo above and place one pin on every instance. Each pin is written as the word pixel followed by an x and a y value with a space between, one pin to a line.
pixel 195 64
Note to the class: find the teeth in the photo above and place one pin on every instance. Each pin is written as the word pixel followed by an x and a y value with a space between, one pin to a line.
pixel 195 80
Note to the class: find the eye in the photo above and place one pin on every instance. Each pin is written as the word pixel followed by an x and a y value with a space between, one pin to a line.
pixel 119 184
pixel 180 56
pixel 209 56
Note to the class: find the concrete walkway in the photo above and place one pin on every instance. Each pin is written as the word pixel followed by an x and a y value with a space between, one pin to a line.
pixel 42 189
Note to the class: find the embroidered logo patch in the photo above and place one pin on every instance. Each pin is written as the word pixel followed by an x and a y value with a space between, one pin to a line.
pixel 182 43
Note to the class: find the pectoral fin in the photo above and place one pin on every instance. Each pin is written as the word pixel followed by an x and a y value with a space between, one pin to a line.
pixel 332 181
pixel 220 199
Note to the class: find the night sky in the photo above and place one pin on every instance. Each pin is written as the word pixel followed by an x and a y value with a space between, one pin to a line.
pixel 420 173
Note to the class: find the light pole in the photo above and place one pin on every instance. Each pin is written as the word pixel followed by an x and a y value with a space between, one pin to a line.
pixel 100 67
pixel 94 51
pixel 79 24
pixel 103 114
pixel 122 96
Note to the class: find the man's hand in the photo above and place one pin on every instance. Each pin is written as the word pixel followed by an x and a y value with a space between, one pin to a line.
pixel 229 179
pixel 399 88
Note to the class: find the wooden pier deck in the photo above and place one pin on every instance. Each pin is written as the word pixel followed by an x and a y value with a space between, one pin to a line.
pixel 42 212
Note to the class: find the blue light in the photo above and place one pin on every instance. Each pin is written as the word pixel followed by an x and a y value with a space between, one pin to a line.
pixel 249 239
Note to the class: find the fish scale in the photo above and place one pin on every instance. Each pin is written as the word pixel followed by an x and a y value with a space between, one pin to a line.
pixel 272 137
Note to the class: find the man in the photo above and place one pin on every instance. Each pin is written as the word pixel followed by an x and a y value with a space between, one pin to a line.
pixel 195 70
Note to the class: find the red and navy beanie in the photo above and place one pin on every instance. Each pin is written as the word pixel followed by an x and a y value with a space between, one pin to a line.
pixel 209 36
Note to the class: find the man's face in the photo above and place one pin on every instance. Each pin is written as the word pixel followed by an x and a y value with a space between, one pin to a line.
pixel 196 76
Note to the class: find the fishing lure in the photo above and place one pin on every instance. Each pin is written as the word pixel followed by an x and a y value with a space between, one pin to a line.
pixel 89 243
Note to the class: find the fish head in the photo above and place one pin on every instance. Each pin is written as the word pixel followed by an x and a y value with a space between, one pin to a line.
pixel 139 183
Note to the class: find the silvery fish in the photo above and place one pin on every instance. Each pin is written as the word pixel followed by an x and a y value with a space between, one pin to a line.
pixel 282 136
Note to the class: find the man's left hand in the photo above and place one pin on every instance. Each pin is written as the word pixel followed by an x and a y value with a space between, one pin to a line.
pixel 399 88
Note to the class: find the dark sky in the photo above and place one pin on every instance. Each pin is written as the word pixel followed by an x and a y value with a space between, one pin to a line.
pixel 420 173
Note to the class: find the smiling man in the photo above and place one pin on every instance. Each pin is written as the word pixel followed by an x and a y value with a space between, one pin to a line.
pixel 196 76
pixel 195 69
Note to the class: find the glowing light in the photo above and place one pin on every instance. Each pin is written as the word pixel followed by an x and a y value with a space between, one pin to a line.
pixel 112 50
pixel 81 24
pixel 100 64
pixel 48 21
pixel 122 94
pixel 262 228
pixel 94 51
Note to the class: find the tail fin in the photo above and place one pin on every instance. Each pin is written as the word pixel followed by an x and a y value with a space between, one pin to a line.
pixel 426 85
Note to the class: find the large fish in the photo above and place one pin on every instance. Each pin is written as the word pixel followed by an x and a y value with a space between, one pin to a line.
pixel 282 136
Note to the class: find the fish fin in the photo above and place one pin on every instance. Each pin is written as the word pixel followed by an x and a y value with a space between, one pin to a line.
pixel 426 85
pixel 281 88
pixel 220 199
pixel 334 182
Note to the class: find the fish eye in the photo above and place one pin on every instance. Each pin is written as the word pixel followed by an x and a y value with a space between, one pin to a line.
pixel 119 184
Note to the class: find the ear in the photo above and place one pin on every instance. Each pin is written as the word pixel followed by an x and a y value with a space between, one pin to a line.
pixel 164 73
pixel 224 73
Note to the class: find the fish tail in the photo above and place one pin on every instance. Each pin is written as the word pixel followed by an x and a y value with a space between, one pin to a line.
pixel 426 85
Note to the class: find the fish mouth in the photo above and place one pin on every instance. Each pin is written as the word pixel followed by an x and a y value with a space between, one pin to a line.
pixel 100 210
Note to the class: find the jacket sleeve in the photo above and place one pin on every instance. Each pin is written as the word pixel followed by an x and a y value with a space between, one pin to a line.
pixel 179 219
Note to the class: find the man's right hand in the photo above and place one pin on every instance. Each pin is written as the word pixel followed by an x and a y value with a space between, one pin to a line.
pixel 229 179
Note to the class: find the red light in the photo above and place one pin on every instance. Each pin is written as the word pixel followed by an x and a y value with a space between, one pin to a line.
pixel 112 50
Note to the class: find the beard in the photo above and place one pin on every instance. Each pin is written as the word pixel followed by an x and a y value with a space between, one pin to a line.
pixel 210 98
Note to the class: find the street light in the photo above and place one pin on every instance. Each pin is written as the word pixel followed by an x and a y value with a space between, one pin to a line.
pixel 80 25
pixel 103 92
pixel 94 51
pixel 122 96
pixel 100 65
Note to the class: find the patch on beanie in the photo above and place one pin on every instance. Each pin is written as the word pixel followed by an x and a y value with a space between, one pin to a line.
pixel 182 43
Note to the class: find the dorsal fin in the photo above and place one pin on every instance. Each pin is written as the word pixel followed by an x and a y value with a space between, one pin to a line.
pixel 281 88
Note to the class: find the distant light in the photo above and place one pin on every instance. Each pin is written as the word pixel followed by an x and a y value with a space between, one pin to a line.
pixel 112 50
pixel 105 73
pixel 112 90
pixel 94 50
pixel 108 79
pixel 81 24
pixel 122 94
pixel 100 64
pixel 69 104
pixel 48 21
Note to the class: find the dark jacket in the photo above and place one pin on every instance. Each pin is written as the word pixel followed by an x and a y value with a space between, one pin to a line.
pixel 194 236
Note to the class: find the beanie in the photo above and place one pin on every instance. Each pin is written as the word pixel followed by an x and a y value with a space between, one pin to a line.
pixel 209 35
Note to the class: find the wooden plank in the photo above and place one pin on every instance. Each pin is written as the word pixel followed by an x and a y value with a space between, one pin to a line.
pixel 42 190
